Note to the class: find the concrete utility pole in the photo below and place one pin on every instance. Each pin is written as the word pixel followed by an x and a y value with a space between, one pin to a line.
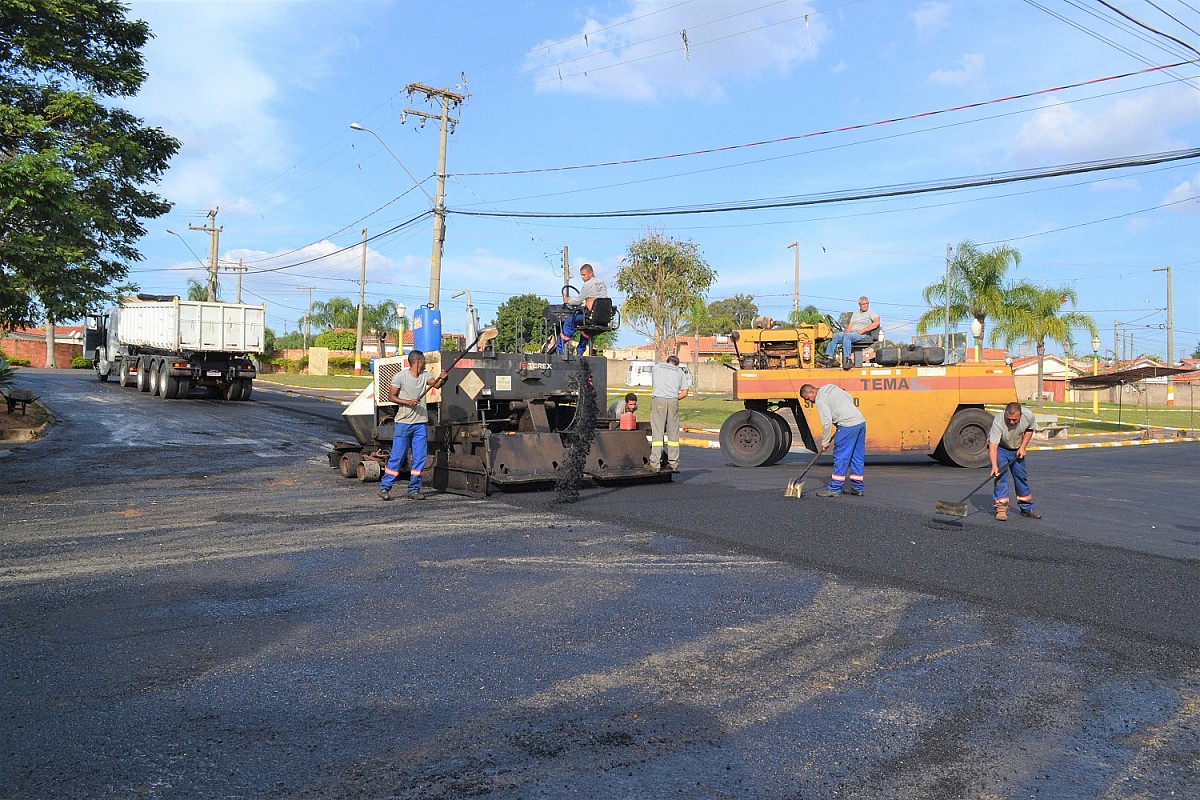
pixel 946 341
pixel 307 316
pixel 1170 338
pixel 796 295
pixel 239 269
pixel 566 269
pixel 362 296
pixel 448 98
pixel 214 239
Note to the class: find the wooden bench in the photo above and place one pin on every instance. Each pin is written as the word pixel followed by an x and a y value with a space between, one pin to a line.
pixel 17 397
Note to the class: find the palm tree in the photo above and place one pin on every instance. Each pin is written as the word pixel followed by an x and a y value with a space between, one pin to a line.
pixel 1036 315
pixel 976 287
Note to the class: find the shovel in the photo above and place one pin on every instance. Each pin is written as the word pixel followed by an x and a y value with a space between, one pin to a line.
pixel 795 487
pixel 961 509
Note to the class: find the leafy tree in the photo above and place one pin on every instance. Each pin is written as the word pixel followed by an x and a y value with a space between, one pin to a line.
pixel 268 340
pixel 976 287
pixel 1196 352
pixel 199 291
pixel 336 340
pixel 288 341
pixel 1035 314
pixel 809 315
pixel 336 312
pixel 661 278
pixel 380 320
pixel 519 323
pixel 740 310
pixel 73 167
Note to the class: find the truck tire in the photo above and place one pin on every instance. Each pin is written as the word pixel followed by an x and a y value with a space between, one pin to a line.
pixel 100 376
pixel 143 375
pixel 965 441
pixel 154 379
pixel 247 388
pixel 348 465
pixel 748 438
pixel 185 386
pixel 785 437
pixel 123 377
pixel 231 390
pixel 168 384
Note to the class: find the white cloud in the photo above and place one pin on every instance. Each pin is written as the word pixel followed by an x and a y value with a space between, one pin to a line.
pixel 930 19
pixel 1129 126
pixel 1185 198
pixel 662 48
pixel 971 67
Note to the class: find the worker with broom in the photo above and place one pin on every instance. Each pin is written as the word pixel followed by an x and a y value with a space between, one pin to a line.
pixel 1009 436
pixel 836 408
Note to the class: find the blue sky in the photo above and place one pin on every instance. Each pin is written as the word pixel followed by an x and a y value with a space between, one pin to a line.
pixel 676 104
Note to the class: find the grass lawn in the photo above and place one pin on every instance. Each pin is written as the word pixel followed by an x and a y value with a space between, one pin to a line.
pixel 317 381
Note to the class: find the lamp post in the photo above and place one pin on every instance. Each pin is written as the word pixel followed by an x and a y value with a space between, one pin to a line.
pixel 1095 372
pixel 401 312
pixel 977 332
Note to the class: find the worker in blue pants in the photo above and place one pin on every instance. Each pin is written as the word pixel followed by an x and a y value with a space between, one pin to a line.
pixel 837 410
pixel 1010 434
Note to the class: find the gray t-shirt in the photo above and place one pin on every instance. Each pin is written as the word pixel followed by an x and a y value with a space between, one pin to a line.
pixel 668 380
pixel 1010 437
pixel 410 388
pixel 836 407
pixel 861 319
pixel 593 288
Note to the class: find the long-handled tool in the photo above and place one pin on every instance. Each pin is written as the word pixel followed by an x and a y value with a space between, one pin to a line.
pixel 961 509
pixel 485 336
pixel 795 487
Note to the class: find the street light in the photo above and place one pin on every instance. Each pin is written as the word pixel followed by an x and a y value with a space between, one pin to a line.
pixel 977 332
pixel 401 312
pixel 357 127
pixel 1095 372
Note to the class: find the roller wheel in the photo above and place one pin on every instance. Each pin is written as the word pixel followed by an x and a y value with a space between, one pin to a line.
pixel 369 471
pixel 143 375
pixel 749 438
pixel 124 378
pixel 348 466
pixel 785 437
pixel 965 441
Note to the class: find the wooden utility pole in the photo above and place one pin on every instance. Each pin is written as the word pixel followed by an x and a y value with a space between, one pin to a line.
pixel 214 239
pixel 447 98
pixel 566 269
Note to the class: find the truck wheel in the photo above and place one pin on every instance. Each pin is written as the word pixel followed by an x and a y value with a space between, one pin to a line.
pixel 143 375
pixel 369 471
pixel 168 386
pixel 123 377
pixel 247 388
pixel 748 438
pixel 154 379
pixel 348 466
pixel 785 437
pixel 185 386
pixel 965 441
pixel 231 390
pixel 100 376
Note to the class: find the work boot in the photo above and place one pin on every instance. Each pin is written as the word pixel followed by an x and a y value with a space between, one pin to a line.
pixel 852 492
pixel 417 495
pixel 827 492
pixel 1031 513
pixel 1001 514
pixel 385 494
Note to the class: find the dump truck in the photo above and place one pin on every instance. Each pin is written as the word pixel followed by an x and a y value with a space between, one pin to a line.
pixel 170 347
pixel 913 401
pixel 502 421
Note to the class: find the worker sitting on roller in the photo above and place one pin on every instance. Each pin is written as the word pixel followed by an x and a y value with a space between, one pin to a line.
pixel 862 325
pixel 592 288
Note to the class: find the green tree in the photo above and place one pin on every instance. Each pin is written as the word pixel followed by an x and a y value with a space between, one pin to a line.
pixel 336 340
pixel 336 312
pixel 1196 352
pixel 740 310
pixel 661 278
pixel 199 291
pixel 809 315
pixel 976 288
pixel 74 167
pixel 1035 314
pixel 519 323
pixel 294 340
pixel 381 321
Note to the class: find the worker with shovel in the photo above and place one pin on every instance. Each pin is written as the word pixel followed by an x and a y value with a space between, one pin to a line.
pixel 1009 436
pixel 407 390
pixel 836 408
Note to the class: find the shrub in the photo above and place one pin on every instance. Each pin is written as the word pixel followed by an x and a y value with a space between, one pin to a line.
pixel 19 362
pixel 79 362
pixel 289 366
pixel 341 365
pixel 7 374
pixel 336 340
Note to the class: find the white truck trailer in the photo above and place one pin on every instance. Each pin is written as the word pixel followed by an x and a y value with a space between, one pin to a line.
pixel 168 347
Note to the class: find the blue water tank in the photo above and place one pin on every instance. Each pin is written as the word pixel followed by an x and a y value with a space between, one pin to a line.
pixel 427 329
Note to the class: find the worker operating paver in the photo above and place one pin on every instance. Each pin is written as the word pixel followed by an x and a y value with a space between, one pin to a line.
pixel 836 407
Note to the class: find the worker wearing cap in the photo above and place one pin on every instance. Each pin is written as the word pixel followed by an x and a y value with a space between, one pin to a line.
pixel 1009 436
pixel 669 385
pixel 836 408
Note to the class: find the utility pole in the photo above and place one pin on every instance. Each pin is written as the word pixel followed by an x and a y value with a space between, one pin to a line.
pixel 946 341
pixel 448 98
pixel 566 268
pixel 1116 348
pixel 214 238
pixel 1170 338
pixel 239 269
pixel 362 295
pixel 307 316
pixel 796 295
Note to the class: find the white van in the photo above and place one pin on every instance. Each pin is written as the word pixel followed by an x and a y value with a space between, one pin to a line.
pixel 640 373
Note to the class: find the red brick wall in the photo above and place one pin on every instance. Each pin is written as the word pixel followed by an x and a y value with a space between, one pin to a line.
pixel 35 351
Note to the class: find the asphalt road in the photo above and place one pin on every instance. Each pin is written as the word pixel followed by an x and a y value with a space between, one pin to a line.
pixel 193 604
